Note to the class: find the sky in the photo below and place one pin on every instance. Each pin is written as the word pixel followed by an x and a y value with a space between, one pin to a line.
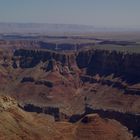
pixel 101 13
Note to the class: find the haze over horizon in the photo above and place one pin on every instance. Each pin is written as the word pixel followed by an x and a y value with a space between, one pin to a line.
pixel 108 13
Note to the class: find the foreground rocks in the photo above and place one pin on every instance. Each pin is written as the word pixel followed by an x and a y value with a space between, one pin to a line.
pixel 19 125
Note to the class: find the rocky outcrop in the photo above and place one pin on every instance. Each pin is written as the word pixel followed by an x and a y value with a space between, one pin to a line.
pixel 94 127
pixel 6 103
pixel 131 121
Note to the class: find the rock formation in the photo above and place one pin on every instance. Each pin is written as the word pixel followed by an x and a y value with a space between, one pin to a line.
pixel 65 84
pixel 18 125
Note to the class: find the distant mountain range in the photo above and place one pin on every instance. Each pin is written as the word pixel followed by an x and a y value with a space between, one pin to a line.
pixel 52 28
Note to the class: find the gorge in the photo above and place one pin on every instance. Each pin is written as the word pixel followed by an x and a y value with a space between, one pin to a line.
pixel 70 85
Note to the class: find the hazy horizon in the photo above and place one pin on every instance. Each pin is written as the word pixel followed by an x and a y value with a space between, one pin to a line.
pixel 98 13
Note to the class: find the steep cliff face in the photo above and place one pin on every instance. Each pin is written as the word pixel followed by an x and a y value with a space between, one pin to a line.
pixel 119 64
pixel 44 56
pixel 124 65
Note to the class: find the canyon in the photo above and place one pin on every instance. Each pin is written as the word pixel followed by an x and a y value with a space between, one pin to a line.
pixel 80 91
